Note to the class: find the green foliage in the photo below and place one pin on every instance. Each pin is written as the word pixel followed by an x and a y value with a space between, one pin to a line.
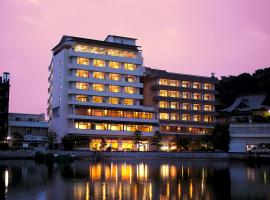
pixel 231 86
pixel 221 137
pixel 156 140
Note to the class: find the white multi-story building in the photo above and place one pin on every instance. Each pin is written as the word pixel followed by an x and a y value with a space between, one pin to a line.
pixel 95 92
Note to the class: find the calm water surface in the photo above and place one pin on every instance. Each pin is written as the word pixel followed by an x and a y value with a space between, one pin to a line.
pixel 134 179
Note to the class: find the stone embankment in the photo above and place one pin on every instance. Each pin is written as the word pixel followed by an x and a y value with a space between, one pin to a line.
pixel 30 154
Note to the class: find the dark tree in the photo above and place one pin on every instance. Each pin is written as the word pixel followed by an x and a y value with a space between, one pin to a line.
pixel 182 143
pixel 138 139
pixel 68 142
pixel 156 140
pixel 103 144
pixel 221 137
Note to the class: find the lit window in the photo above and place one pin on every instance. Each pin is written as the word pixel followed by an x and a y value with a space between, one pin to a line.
pixel 98 113
pixel 207 97
pixel 197 85
pixel 146 115
pixel 114 65
pixel 113 100
pixel 208 107
pixel 99 75
pixel 185 95
pixel 163 93
pixel 185 106
pixel 208 118
pixel 196 107
pixel 174 105
pixel 196 96
pixel 97 126
pixel 174 94
pixel 83 61
pixel 98 99
pixel 130 79
pixel 130 127
pixel 174 116
pixel 129 66
pixel 130 90
pixel 81 98
pixel 208 86
pixel 99 63
pixel 185 117
pixel 129 102
pixel 82 86
pixel 197 118
pixel 114 88
pixel 81 48
pixel 174 83
pixel 98 87
pixel 82 125
pixel 185 84
pixel 82 73
pixel 163 104
pixel 115 127
pixel 115 77
pixel 163 115
pixel 145 128
pixel 163 81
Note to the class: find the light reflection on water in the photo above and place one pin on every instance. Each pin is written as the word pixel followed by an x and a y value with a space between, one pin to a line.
pixel 142 179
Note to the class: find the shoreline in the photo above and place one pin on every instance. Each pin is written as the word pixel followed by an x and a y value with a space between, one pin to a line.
pixel 77 155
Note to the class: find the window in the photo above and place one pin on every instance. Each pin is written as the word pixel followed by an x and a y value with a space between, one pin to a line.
pixel 82 86
pixel 99 63
pixel 82 125
pixel 130 79
pixel 196 107
pixel 146 115
pixel 130 90
pixel 208 86
pixel 197 85
pixel 174 83
pixel 163 104
pixel 97 113
pixel 185 95
pixel 81 98
pixel 208 107
pixel 82 73
pixel 81 48
pixel 115 77
pixel 129 66
pixel 185 84
pixel 115 127
pixel 82 61
pixel 145 128
pixel 196 96
pixel 185 117
pixel 196 118
pixel 163 81
pixel 98 99
pixel 163 115
pixel 116 113
pixel 174 105
pixel 98 87
pixel 113 100
pixel 174 94
pixel 97 126
pixel 207 97
pixel 99 75
pixel 185 106
pixel 129 102
pixel 208 118
pixel 114 65
pixel 163 93
pixel 114 88
pixel 174 116
pixel 129 127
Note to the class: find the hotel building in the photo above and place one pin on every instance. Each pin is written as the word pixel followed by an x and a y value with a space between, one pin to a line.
pixel 95 92
pixel 185 104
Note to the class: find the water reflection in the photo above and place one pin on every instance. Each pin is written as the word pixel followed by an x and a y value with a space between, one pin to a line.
pixel 133 180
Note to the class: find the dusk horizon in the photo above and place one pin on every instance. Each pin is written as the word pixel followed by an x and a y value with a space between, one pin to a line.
pixel 225 38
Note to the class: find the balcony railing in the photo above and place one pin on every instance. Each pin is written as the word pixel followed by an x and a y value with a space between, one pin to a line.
pixel 248 129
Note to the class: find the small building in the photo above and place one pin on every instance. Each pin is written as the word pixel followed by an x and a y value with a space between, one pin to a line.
pixel 4 102
pixel 247 137
pixel 247 108
pixel 28 131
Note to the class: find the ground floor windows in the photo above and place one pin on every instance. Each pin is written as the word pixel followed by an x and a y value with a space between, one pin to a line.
pixel 179 129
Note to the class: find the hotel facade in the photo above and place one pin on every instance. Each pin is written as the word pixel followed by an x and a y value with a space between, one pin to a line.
pixel 101 90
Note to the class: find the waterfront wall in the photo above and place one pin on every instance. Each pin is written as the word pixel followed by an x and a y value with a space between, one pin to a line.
pixel 30 154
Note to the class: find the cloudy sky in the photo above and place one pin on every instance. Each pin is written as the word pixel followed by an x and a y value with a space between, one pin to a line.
pixel 197 37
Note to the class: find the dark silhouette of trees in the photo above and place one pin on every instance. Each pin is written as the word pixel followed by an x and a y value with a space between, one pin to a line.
pixel 156 140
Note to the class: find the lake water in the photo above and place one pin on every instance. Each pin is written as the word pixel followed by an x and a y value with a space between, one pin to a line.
pixel 134 179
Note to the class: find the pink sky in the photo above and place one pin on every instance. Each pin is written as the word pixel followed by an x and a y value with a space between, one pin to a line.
pixel 185 36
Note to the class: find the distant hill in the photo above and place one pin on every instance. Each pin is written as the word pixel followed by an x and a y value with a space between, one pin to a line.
pixel 231 86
